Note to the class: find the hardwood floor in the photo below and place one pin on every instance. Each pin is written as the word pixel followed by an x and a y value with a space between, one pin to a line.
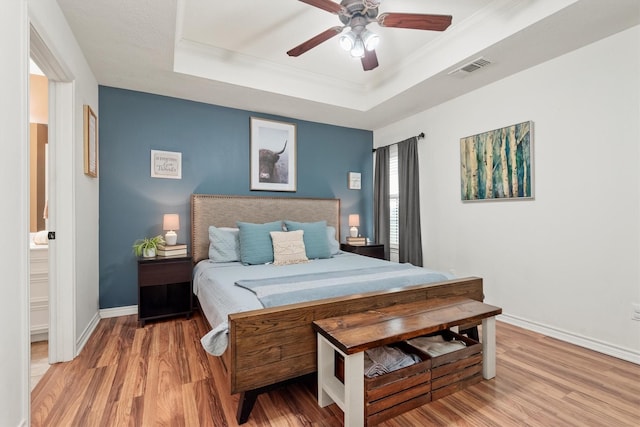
pixel 39 361
pixel 160 376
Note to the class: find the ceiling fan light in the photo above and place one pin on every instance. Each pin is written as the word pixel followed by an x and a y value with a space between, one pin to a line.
pixel 370 40
pixel 358 49
pixel 347 41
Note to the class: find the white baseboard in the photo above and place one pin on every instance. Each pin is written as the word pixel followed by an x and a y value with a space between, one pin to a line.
pixel 601 347
pixel 102 314
pixel 106 313
pixel 40 335
pixel 87 333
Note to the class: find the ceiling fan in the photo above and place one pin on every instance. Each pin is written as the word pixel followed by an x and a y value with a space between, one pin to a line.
pixel 355 15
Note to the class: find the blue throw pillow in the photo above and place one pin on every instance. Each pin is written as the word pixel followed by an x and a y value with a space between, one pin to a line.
pixel 224 244
pixel 315 238
pixel 255 241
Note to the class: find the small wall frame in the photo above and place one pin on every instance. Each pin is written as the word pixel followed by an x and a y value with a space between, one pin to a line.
pixel 354 181
pixel 90 142
pixel 166 164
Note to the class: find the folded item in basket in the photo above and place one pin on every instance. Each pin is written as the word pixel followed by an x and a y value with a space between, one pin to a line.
pixel 373 369
pixel 382 360
pixel 436 345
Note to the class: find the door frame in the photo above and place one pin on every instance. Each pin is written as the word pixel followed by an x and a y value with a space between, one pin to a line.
pixel 62 283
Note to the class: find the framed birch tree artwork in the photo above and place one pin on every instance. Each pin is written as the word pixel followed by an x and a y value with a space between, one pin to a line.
pixel 498 164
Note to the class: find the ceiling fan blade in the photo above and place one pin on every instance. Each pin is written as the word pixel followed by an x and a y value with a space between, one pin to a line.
pixel 314 41
pixel 327 5
pixel 415 21
pixel 369 60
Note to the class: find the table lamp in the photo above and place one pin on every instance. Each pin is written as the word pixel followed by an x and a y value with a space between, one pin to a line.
pixel 171 222
pixel 354 223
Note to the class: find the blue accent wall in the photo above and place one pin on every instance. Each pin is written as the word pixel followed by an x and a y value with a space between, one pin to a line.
pixel 214 142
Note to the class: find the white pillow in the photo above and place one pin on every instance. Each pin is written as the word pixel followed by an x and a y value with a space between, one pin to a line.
pixel 288 247
pixel 224 244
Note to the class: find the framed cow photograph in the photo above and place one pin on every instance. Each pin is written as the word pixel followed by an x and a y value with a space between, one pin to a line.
pixel 273 155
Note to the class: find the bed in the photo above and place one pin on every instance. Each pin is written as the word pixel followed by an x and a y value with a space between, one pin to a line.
pixel 264 347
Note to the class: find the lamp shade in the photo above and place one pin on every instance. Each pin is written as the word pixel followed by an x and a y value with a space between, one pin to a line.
pixel 171 222
pixel 347 40
pixel 358 48
pixel 370 40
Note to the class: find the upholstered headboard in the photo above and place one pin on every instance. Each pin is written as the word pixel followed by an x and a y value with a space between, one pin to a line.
pixel 224 211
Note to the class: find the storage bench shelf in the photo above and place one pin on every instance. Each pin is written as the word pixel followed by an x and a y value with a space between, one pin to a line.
pixel 456 370
pixel 368 401
pixel 399 391
pixel 388 395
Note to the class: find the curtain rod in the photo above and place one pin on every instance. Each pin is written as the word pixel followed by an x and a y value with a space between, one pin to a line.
pixel 420 136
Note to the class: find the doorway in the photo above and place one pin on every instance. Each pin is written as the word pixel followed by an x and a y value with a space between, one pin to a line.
pixel 60 218
pixel 38 223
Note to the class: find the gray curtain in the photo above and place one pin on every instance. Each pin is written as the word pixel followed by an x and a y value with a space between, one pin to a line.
pixel 381 210
pixel 410 239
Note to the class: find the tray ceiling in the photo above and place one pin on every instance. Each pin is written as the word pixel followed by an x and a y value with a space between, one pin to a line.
pixel 233 53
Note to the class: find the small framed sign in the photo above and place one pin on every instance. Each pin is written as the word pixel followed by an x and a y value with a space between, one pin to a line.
pixel 166 164
pixel 354 181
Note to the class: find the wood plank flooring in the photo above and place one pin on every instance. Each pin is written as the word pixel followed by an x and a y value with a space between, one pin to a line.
pixel 39 361
pixel 160 376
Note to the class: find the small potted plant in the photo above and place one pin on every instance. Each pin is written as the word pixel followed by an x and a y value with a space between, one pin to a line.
pixel 147 247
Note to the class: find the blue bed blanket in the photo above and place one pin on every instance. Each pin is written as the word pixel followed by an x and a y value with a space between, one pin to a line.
pixel 276 291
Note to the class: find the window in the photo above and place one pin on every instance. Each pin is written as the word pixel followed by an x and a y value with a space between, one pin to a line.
pixel 393 196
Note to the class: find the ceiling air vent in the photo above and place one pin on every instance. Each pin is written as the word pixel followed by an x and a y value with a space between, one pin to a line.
pixel 471 66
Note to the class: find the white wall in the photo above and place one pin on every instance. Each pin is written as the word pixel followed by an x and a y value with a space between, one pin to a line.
pixel 567 263
pixel 14 122
pixel 77 233
pixel 81 193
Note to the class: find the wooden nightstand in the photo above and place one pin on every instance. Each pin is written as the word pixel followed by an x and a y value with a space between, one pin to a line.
pixel 373 250
pixel 164 287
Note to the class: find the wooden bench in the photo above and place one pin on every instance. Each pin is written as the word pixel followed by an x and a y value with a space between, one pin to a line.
pixel 350 335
